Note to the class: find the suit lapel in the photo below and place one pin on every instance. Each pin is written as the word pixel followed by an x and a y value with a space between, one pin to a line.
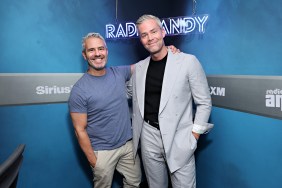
pixel 171 71
pixel 141 71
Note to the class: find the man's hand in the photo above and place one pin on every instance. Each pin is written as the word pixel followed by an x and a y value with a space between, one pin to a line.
pixel 196 135
pixel 93 161
pixel 173 49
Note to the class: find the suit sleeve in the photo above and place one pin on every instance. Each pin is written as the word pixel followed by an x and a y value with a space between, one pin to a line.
pixel 129 88
pixel 201 96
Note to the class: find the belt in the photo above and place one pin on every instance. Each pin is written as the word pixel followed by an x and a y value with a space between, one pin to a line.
pixel 153 123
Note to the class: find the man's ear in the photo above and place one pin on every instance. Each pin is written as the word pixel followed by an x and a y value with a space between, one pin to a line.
pixel 83 54
pixel 163 32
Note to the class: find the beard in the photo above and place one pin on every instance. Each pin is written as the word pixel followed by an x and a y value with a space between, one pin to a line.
pixel 96 68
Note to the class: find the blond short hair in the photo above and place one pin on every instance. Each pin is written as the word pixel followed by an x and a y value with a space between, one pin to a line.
pixel 148 17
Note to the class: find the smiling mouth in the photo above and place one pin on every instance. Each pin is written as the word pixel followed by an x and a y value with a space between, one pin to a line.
pixel 97 59
pixel 152 44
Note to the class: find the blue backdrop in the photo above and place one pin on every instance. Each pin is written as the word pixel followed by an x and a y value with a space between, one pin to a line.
pixel 241 38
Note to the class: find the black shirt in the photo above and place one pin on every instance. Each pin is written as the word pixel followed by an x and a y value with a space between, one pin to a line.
pixel 153 89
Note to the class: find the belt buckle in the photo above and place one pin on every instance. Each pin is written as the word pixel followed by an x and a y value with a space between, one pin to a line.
pixel 154 124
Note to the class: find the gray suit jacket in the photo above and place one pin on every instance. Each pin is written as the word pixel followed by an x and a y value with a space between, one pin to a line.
pixel 184 82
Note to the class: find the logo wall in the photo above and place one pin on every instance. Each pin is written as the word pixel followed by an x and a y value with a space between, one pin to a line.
pixel 261 95
pixel 35 88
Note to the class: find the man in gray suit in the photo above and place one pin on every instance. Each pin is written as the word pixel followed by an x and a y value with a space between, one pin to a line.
pixel 164 87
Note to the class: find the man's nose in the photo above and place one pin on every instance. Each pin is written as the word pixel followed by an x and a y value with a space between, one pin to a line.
pixel 150 37
pixel 97 53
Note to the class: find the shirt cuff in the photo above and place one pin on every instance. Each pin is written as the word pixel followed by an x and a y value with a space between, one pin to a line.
pixel 202 129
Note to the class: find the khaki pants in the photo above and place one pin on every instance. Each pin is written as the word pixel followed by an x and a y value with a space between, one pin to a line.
pixel 120 159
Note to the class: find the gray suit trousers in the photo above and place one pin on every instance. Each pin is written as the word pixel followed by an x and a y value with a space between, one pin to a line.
pixel 155 166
